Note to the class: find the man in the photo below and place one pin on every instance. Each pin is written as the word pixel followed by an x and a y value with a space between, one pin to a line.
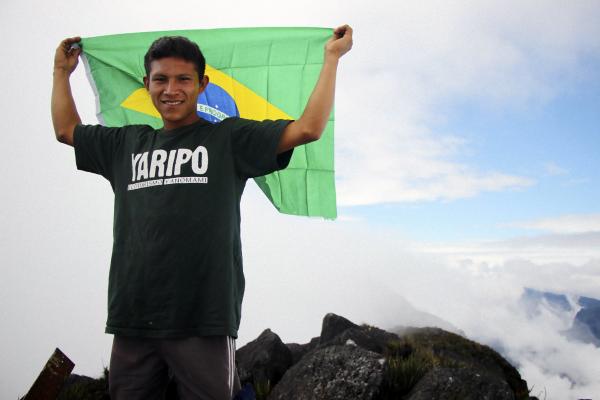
pixel 176 281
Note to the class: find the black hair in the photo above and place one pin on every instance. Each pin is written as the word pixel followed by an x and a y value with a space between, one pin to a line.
pixel 178 47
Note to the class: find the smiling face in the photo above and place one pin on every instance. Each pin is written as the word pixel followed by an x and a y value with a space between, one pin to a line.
pixel 174 86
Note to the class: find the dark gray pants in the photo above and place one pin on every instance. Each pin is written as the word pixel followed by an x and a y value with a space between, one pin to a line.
pixel 202 367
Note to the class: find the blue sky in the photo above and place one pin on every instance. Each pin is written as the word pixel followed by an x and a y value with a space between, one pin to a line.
pixel 555 144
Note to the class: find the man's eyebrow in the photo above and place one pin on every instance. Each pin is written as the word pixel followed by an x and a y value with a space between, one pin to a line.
pixel 163 75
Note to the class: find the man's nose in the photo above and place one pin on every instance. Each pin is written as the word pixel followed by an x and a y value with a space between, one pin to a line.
pixel 171 86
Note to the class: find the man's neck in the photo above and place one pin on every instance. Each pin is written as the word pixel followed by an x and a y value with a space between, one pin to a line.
pixel 171 125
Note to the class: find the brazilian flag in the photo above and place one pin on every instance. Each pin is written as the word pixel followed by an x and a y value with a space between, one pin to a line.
pixel 254 73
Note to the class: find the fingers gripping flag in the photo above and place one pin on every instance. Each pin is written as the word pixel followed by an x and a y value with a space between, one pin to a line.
pixel 254 73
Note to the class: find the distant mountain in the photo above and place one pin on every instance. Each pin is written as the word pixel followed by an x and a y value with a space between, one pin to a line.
pixel 534 300
pixel 583 313
pixel 588 302
pixel 586 326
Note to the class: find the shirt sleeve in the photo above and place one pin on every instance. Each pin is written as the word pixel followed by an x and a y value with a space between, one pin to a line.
pixel 254 146
pixel 95 148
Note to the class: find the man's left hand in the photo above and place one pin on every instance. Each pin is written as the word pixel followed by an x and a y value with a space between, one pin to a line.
pixel 341 41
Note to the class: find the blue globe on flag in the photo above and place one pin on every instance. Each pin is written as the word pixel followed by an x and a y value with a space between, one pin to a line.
pixel 215 104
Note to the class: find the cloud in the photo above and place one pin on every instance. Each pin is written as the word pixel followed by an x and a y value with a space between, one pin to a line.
pixel 553 169
pixel 577 249
pixel 394 158
pixel 545 358
pixel 564 224
pixel 489 278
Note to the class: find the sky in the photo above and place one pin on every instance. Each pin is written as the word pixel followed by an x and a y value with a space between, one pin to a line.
pixel 467 136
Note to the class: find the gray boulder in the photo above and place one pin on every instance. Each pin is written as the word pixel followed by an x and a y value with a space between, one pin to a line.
pixel 264 360
pixel 460 383
pixel 333 373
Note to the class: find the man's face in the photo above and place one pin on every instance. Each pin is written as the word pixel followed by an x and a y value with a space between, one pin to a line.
pixel 174 87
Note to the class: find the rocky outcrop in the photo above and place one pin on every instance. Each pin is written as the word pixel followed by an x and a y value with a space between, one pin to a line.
pixel 361 362
pixel 350 361
pixel 458 352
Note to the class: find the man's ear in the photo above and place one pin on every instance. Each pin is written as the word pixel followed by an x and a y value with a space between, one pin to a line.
pixel 203 83
pixel 146 82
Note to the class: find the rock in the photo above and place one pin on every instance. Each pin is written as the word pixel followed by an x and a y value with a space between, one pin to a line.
pixel 460 383
pixel 332 373
pixel 458 352
pixel 297 350
pixel 367 337
pixel 333 325
pixel 338 330
pixel 84 387
pixel 264 360
pixel 300 350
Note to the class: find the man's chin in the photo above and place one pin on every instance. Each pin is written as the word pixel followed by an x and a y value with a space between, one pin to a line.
pixel 172 115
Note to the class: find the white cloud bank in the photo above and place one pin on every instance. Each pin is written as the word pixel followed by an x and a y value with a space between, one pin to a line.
pixel 304 268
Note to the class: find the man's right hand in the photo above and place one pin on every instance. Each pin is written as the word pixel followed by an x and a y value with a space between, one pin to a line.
pixel 62 106
pixel 66 57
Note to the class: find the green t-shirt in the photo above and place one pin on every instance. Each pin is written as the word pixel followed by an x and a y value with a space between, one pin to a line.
pixel 176 266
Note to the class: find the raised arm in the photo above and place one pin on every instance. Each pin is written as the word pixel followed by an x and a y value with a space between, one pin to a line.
pixel 64 112
pixel 311 124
